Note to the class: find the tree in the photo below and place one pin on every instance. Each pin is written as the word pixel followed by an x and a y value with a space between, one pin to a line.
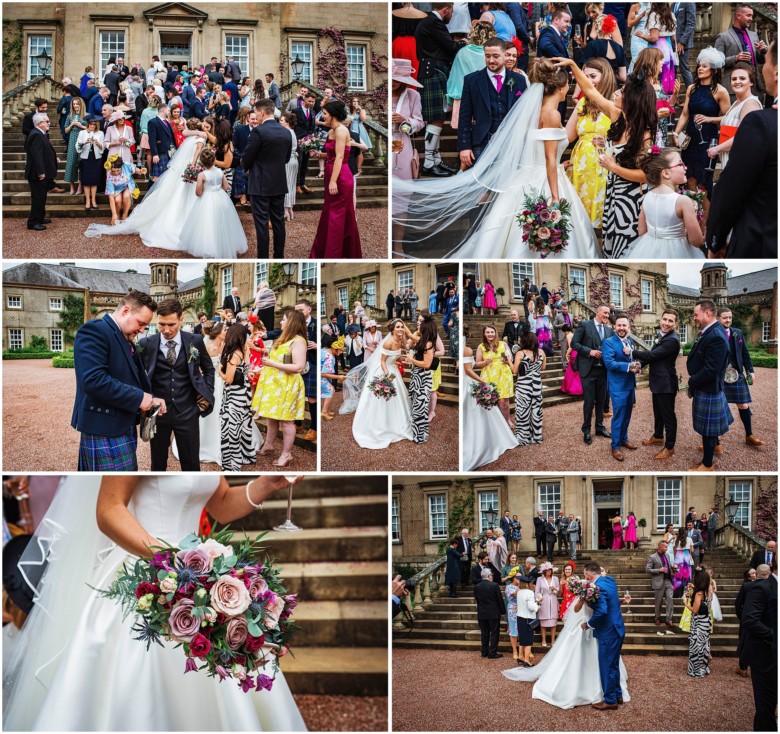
pixel 71 316
pixel 766 509
pixel 209 299
pixel 276 276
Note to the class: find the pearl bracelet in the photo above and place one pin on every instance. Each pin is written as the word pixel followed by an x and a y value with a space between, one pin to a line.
pixel 256 505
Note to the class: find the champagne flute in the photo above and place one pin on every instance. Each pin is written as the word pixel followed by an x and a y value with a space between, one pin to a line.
pixel 711 164
pixel 398 146
pixel 701 137
pixel 627 599
pixel 288 525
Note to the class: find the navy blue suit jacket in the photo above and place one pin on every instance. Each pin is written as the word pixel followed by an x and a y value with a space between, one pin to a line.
pixel 744 363
pixel 607 620
pixel 161 138
pixel 708 360
pixel 475 118
pixel 110 381
pixel 197 109
pixel 187 98
pixel 551 44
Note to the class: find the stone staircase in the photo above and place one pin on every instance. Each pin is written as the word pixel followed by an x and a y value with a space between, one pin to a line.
pixel 338 566
pixel 451 624
pixel 372 185
pixel 552 377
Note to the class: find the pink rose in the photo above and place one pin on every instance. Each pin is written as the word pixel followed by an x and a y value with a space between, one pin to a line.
pixel 555 216
pixel 257 586
pixel 184 625
pixel 236 632
pixel 200 646
pixel 197 560
pixel 274 608
pixel 230 597
pixel 214 549
pixel 543 233
pixel 544 215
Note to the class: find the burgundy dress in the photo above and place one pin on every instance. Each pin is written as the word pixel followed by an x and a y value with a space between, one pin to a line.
pixel 337 234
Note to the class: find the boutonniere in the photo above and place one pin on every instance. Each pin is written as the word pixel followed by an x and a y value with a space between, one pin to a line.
pixel 193 354
pixel 138 347
pixel 510 83
pixel 657 340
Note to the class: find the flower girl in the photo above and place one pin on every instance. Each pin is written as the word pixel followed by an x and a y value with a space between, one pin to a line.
pixel 212 229
pixel 668 225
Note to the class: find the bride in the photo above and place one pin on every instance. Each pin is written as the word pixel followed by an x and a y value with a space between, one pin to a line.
pixel 523 156
pixel 379 422
pixel 568 676
pixel 160 218
pixel 76 666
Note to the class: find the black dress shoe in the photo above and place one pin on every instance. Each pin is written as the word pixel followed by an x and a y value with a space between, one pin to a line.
pixel 447 168
pixel 587 439
pixel 496 655
pixel 36 227
pixel 436 171
pixel 46 221
pixel 604 433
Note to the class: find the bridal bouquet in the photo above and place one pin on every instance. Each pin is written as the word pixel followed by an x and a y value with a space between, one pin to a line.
pixel 545 226
pixel 584 589
pixel 225 606
pixel 382 387
pixel 310 143
pixel 191 172
pixel 698 197
pixel 486 394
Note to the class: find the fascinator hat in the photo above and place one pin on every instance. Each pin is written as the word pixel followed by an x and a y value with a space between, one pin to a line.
pixel 338 344
pixel 712 56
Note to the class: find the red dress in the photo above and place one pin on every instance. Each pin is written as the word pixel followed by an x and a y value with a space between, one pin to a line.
pixel 568 598
pixel 256 352
pixel 337 233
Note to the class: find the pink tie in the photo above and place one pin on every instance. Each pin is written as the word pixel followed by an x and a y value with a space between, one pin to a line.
pixel 498 83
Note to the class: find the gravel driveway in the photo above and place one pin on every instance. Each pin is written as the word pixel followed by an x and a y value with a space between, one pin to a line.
pixel 561 427
pixel 430 694
pixel 38 402
pixel 64 239
pixel 343 713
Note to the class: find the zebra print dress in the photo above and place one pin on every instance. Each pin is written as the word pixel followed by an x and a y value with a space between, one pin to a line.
pixel 420 388
pixel 236 422
pixel 699 642
pixel 528 403
pixel 622 203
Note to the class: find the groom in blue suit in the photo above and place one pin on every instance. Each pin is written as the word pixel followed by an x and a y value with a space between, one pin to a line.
pixel 608 629
pixel 621 380
pixel 488 96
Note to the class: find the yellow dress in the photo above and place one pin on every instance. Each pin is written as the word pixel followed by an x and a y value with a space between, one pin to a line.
pixel 497 372
pixel 280 395
pixel 436 376
pixel 587 176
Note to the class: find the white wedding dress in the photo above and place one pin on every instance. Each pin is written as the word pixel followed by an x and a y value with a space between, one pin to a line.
pixel 161 217
pixel 377 422
pixel 486 435
pixel 568 676
pixel 80 668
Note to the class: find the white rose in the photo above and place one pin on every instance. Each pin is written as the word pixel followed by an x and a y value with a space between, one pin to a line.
pixel 239 671
pixel 215 549
pixel 168 585
pixel 145 603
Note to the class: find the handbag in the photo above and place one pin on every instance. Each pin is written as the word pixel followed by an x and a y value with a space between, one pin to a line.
pixel 683 140
pixel 534 623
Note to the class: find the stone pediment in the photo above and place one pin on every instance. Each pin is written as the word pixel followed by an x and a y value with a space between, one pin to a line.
pixel 175 11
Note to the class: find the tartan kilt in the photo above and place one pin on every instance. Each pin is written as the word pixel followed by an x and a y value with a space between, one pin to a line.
pixel 108 453
pixel 737 392
pixel 433 94
pixel 310 381
pixel 161 167
pixel 711 414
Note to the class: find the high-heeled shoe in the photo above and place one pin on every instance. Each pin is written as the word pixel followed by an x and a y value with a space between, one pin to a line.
pixel 281 464
pixel 267 449
pixel 327 417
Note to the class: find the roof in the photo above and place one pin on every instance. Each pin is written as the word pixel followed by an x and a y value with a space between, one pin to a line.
pixel 71 276
pixel 761 280
pixel 191 284
pixel 681 290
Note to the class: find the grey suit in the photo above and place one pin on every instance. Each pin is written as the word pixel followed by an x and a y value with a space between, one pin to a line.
pixel 661 584
pixel 698 544
pixel 685 14
pixel 730 44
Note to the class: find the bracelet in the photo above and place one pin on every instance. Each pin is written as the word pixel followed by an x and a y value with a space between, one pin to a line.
pixel 256 505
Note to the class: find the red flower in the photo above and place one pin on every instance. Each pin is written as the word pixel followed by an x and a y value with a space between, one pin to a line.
pixel 253 644
pixel 608 25
pixel 145 588
pixel 200 646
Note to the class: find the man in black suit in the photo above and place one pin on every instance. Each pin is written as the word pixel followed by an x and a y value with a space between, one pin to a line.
pixel 162 144
pixel 587 342
pixel 181 373
pixel 198 107
pixel 266 155
pixel 40 170
pixel 552 43
pixel 476 573
pixel 768 555
pixel 121 69
pixel 512 329
pixel 706 366
pixel 550 535
pixel 232 69
pixel 390 305
pixel 111 80
pixel 746 193
pixel 466 548
pixel 233 302
pixel 739 359
pixel 759 623
pixel 436 51
pixel 490 609
pixel 441 297
pixel 662 359
pixel 304 126
pixel 539 532
pixel 488 96
pixel 202 319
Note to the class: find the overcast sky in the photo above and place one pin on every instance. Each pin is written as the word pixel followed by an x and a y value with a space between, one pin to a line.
pixel 688 274
pixel 188 269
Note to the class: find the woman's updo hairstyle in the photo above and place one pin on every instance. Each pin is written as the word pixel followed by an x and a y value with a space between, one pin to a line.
pixel 654 164
pixel 207 157
pixel 193 123
pixel 336 108
pixel 212 329
pixel 481 31
pixel 545 72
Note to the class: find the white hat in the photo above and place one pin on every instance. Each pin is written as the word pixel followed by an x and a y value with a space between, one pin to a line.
pixel 712 56
pixel 402 72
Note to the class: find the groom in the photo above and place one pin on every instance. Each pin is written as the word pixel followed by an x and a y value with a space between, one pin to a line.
pixel 621 380
pixel 608 629
pixel 180 371
pixel 266 155
pixel 488 96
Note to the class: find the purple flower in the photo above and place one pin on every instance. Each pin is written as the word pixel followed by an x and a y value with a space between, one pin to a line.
pixel 263 681
pixel 190 665
pixel 222 673
pixel 161 561
pixel 247 684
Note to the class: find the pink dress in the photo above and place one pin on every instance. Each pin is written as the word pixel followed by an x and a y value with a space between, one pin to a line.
pixel 548 607
pixel 337 234
pixel 617 536
pixel 571 385
pixel 631 530
pixel 489 300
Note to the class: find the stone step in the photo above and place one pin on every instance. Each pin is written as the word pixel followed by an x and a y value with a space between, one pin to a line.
pixel 337 581
pixel 357 624
pixel 329 512
pixel 337 670
pixel 358 543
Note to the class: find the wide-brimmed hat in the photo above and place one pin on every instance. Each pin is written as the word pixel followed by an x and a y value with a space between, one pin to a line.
pixel 116 115
pixel 547 566
pixel 370 323
pixel 402 72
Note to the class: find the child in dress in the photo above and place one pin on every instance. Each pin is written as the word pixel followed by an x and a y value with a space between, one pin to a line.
pixel 120 186
pixel 256 349
pixel 668 226
pixel 331 349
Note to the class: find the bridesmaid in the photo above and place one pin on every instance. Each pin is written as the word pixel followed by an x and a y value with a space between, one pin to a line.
pixel 489 298
pixel 493 359
pixel 337 233
pixel 617 532
pixel 572 384
pixel 631 539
